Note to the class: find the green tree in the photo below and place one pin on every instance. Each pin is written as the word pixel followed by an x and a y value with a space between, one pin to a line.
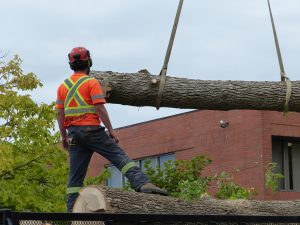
pixel 184 179
pixel 227 189
pixel 272 178
pixel 33 168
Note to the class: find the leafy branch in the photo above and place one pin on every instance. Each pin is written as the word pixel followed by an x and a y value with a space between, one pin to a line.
pixel 272 178
pixel 13 171
pixel 33 169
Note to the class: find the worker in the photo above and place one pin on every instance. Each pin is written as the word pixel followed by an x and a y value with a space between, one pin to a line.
pixel 80 106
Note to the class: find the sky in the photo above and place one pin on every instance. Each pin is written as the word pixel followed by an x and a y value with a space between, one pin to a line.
pixel 215 40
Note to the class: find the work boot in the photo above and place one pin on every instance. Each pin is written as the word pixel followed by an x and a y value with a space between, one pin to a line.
pixel 152 189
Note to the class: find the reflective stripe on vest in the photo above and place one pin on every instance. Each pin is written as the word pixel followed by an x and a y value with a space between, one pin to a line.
pixel 80 101
pixel 83 107
pixel 79 111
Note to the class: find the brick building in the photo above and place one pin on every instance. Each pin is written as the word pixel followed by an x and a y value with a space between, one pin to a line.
pixel 251 139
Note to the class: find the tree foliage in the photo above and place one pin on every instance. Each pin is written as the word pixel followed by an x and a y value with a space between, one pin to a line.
pixel 227 189
pixel 103 176
pixel 184 179
pixel 179 175
pixel 272 178
pixel 33 169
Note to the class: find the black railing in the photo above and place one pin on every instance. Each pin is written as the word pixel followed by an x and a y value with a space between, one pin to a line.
pixel 23 218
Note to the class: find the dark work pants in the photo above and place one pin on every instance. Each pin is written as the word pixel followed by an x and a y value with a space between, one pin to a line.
pixel 86 140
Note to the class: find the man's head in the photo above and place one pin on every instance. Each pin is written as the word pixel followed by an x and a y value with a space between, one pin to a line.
pixel 80 59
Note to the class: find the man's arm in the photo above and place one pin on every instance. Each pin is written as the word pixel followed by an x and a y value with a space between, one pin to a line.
pixel 101 111
pixel 62 129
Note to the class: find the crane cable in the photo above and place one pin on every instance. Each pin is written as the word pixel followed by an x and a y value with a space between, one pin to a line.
pixel 164 69
pixel 282 71
pixel 169 50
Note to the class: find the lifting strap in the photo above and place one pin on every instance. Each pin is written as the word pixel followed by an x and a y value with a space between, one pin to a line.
pixel 164 69
pixel 282 71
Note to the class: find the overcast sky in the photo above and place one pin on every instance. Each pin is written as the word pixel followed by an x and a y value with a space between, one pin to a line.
pixel 216 40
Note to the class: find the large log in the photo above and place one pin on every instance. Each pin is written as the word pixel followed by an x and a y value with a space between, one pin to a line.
pixel 104 199
pixel 140 89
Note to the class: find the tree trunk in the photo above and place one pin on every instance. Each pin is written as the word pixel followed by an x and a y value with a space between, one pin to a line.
pixel 140 89
pixel 104 199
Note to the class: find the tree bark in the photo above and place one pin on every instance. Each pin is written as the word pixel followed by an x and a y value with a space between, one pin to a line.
pixel 104 199
pixel 140 89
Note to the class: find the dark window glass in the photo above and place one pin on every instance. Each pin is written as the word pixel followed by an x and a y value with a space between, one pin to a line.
pixel 286 154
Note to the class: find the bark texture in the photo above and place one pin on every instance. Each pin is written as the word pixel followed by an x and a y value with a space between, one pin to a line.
pixel 140 89
pixel 104 199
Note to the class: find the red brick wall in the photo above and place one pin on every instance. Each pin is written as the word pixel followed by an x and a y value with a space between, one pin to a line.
pixel 241 148
pixel 276 124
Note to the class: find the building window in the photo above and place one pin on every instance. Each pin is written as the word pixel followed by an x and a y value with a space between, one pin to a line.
pixel 117 180
pixel 117 175
pixel 286 154
pixel 164 158
pixel 153 162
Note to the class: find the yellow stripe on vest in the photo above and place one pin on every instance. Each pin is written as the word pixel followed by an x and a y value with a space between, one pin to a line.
pixel 83 107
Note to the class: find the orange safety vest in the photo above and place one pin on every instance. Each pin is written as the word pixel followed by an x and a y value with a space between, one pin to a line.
pixel 82 106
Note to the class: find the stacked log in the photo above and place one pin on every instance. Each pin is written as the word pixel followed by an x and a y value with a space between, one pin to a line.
pixel 110 200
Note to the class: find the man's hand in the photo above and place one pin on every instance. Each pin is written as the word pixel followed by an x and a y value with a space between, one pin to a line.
pixel 101 111
pixel 64 142
pixel 113 135
pixel 62 129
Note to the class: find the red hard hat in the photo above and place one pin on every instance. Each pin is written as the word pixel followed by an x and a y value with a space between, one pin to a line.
pixel 79 54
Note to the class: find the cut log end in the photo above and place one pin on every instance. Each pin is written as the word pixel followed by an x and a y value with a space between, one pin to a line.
pixel 90 199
